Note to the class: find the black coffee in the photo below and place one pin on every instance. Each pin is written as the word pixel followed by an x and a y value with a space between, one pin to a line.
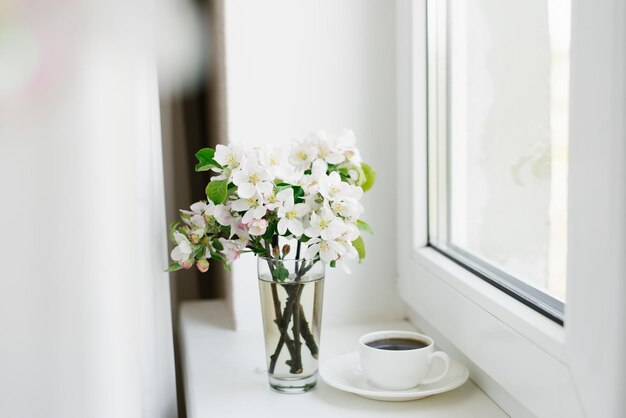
pixel 397 344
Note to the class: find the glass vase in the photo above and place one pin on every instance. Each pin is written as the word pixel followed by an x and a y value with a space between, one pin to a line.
pixel 291 302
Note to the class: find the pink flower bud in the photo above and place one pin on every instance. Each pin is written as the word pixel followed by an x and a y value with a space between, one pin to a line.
pixel 203 265
pixel 187 264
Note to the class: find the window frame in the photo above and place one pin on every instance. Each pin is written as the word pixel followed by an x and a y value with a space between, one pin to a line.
pixel 527 363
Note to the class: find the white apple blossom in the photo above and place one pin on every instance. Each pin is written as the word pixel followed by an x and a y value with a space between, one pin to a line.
pixel 331 186
pixel 229 156
pixel 270 201
pixel 328 250
pixel 253 206
pixel 198 222
pixel 302 154
pixel 310 182
pixel 232 250
pixel 290 214
pixel 223 215
pixel 251 178
pixel 346 143
pixel 349 209
pixel 326 151
pixel 324 224
pixel 276 161
pixel 257 227
pixel 182 251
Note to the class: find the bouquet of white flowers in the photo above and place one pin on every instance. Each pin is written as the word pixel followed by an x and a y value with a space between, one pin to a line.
pixel 272 202
pixel 309 193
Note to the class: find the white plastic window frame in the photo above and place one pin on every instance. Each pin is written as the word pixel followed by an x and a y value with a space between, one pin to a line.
pixel 524 361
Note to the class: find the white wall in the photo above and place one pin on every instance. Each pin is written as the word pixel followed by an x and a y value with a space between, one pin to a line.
pixel 296 66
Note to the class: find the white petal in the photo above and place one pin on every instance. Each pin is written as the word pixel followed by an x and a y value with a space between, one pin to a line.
pixel 312 232
pixel 246 190
pixel 282 226
pixel 337 247
pixel 302 209
pixel 240 205
pixel 311 251
pixel 260 212
pixel 176 254
pixel 221 154
pixel 248 216
pixel 265 187
pixel 178 237
pixel 295 226
pixel 198 221
pixel 198 207
pixel 285 195
pixel 328 255
pixel 185 247
pixel 334 158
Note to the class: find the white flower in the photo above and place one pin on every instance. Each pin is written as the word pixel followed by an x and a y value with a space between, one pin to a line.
pixel 231 250
pixel 275 160
pixel 328 250
pixel 326 149
pixel 302 154
pixel 223 216
pixel 290 214
pixel 257 227
pixel 348 209
pixel 182 251
pixel 270 201
pixel 253 206
pixel 331 186
pixel 251 178
pixel 310 182
pixel 345 142
pixel 229 156
pixel 324 224
pixel 199 223
pixel 200 208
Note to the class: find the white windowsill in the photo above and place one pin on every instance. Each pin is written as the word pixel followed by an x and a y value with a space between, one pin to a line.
pixel 225 375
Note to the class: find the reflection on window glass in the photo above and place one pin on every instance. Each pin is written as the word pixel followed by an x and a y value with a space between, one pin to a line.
pixel 507 92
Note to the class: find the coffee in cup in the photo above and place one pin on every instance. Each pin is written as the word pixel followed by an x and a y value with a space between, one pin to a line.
pixel 400 360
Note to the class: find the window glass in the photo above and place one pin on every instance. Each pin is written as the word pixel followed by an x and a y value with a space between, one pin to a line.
pixel 501 89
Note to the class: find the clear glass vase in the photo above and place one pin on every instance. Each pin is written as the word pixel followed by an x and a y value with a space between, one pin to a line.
pixel 291 301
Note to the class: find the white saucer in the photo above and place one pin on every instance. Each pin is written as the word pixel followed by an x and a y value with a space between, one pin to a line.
pixel 344 373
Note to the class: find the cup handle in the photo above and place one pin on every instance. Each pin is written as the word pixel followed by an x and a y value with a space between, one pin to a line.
pixel 446 368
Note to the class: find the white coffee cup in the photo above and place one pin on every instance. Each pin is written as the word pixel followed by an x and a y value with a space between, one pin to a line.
pixel 400 369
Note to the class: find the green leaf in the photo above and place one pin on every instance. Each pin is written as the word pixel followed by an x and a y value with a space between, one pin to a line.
pixel 370 176
pixel 298 194
pixel 217 191
pixel 359 246
pixel 174 267
pixel 198 251
pixel 173 227
pixel 205 160
pixel 364 226
pixel 280 274
pixel 218 245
